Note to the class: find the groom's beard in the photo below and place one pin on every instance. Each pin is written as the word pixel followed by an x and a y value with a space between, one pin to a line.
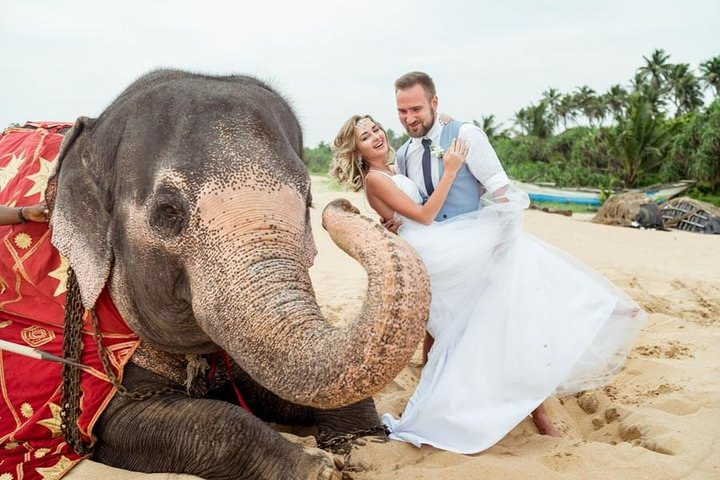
pixel 425 127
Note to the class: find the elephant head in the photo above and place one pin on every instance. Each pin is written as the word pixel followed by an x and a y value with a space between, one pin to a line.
pixel 189 199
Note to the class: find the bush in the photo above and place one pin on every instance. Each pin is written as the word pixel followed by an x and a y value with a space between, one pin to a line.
pixel 561 160
pixel 318 159
pixel 705 161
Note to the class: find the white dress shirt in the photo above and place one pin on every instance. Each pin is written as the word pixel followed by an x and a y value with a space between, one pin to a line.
pixel 481 160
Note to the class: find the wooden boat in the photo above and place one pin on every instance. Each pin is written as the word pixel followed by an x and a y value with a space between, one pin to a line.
pixel 545 192
pixel 691 215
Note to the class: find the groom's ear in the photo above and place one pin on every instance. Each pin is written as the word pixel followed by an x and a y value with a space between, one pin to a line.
pixel 434 103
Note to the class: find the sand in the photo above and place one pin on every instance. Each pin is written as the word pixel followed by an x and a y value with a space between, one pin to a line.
pixel 659 419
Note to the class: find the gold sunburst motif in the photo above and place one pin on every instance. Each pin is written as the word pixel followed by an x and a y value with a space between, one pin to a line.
pixel 10 171
pixel 23 240
pixel 60 274
pixel 54 472
pixel 53 423
pixel 6 476
pixel 40 179
pixel 11 445
pixel 26 410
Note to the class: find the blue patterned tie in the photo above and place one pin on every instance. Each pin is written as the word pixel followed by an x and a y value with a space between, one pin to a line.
pixel 426 167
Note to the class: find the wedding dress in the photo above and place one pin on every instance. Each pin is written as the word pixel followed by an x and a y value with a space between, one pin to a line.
pixel 514 319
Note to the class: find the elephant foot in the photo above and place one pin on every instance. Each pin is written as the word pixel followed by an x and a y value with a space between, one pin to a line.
pixel 330 465
pixel 342 444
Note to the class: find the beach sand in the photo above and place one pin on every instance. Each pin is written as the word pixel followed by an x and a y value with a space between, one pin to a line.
pixel 659 419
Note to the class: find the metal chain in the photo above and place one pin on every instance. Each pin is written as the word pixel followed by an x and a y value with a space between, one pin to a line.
pixel 72 350
pixel 341 442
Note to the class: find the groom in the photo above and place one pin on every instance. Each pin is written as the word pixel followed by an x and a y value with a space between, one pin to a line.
pixel 419 157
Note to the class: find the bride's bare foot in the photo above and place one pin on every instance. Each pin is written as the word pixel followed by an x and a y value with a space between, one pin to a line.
pixel 544 423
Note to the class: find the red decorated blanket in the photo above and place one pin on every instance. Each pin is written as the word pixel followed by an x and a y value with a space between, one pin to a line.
pixel 33 279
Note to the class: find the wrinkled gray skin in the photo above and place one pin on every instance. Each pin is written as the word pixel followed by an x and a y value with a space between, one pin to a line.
pixel 188 198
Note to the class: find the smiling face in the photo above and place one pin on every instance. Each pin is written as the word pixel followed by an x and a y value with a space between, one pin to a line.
pixel 371 141
pixel 415 110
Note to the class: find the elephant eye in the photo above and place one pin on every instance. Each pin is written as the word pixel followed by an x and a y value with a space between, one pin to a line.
pixel 168 209
pixel 169 213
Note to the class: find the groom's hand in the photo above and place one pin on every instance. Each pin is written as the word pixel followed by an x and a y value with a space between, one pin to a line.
pixel 392 224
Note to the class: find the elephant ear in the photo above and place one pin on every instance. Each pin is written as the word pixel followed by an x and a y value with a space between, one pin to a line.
pixel 80 220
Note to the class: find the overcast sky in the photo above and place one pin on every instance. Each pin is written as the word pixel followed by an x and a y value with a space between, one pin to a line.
pixel 333 58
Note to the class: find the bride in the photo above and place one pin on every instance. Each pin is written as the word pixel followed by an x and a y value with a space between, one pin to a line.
pixel 514 319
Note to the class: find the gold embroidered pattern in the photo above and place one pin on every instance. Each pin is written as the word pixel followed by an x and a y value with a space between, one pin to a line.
pixel 37 336
pixel 26 410
pixel 41 452
pixel 9 171
pixel 53 423
pixel 56 471
pixel 23 240
pixel 40 179
pixel 60 274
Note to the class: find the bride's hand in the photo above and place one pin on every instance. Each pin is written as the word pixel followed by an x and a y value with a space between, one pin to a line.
pixel 445 118
pixel 455 156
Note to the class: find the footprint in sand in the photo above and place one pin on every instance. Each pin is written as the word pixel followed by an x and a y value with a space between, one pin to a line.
pixel 674 350
pixel 698 303
pixel 654 438
pixel 561 461
pixel 613 424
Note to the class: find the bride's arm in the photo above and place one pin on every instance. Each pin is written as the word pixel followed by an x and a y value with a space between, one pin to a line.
pixel 382 188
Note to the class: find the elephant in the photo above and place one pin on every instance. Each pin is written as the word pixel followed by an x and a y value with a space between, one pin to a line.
pixel 188 199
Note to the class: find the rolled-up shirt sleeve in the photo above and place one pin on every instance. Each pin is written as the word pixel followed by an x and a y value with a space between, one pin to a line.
pixel 482 160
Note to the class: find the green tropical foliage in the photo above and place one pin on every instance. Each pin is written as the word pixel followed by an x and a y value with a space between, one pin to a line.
pixel 705 160
pixel 711 74
pixel 318 158
pixel 638 142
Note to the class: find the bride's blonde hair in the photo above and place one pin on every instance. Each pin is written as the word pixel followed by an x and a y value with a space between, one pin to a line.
pixel 347 166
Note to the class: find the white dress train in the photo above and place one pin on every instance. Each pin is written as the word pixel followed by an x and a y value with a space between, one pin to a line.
pixel 515 320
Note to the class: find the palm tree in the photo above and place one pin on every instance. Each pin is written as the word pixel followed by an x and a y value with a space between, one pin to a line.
pixel 522 120
pixel 639 141
pixel 641 86
pixel 685 89
pixel 656 69
pixel 616 99
pixel 705 160
pixel 585 98
pixel 552 97
pixel 711 74
pixel 489 126
pixel 567 109
pixel 638 82
pixel 534 120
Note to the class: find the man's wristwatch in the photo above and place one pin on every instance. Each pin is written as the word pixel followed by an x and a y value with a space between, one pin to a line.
pixel 21 217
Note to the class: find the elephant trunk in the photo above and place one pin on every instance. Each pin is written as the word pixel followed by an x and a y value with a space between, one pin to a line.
pixel 279 336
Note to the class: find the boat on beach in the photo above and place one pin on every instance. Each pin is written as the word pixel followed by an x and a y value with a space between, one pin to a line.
pixel 544 192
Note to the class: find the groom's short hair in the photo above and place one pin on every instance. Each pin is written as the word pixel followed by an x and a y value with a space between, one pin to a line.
pixel 414 78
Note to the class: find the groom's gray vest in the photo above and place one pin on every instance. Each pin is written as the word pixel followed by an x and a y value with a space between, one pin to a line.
pixel 465 193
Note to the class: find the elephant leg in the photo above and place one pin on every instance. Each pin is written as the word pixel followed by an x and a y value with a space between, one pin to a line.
pixel 340 425
pixel 208 438
pixel 354 420
pixel 262 402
